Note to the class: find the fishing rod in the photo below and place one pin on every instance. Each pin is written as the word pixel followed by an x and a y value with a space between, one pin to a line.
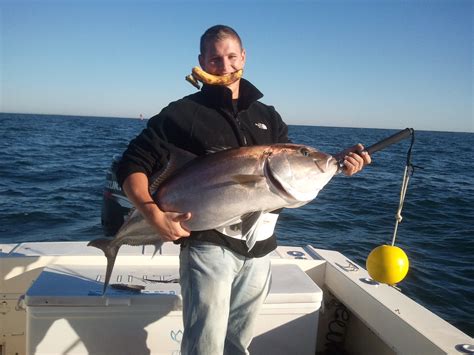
pixel 395 138
pixel 384 143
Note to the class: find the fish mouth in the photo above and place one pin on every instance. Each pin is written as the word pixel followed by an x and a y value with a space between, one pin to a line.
pixel 331 164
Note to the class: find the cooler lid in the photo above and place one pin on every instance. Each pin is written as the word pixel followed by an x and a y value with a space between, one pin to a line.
pixel 290 284
pixel 74 286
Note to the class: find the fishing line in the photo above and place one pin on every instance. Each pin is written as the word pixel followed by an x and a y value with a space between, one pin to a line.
pixel 409 170
pixel 389 264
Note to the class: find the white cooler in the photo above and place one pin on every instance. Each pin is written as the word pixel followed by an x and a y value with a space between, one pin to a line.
pixel 67 314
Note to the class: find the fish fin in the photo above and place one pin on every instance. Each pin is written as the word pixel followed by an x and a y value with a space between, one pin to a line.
pixel 128 215
pixel 157 246
pixel 250 223
pixel 216 149
pixel 177 158
pixel 110 252
pixel 247 179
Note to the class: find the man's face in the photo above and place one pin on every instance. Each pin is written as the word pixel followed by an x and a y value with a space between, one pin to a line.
pixel 223 57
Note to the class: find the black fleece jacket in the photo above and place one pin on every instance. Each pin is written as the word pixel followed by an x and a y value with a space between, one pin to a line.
pixel 202 122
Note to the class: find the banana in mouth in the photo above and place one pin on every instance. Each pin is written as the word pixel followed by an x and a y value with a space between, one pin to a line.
pixel 204 77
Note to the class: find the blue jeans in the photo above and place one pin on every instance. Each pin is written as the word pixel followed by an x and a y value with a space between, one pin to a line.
pixel 222 293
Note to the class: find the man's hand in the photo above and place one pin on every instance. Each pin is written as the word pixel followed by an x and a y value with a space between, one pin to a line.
pixel 354 158
pixel 167 224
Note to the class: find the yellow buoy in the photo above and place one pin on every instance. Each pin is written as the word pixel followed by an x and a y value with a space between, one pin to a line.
pixel 387 264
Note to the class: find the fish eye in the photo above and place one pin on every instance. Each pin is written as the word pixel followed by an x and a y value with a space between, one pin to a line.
pixel 304 152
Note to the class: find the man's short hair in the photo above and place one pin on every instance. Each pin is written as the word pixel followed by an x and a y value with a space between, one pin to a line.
pixel 218 33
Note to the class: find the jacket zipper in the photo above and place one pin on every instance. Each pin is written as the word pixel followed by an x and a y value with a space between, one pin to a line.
pixel 236 127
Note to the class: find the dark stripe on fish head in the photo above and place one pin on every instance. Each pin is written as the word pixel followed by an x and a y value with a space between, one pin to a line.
pixel 299 172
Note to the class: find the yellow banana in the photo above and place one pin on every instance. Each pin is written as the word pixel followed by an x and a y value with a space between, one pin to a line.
pixel 210 79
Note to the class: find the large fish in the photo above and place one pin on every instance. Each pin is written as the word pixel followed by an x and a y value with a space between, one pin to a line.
pixel 229 187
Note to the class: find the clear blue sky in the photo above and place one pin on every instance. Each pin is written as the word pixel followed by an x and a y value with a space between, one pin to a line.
pixel 381 64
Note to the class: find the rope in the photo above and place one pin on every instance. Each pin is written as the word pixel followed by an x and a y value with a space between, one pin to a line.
pixel 409 170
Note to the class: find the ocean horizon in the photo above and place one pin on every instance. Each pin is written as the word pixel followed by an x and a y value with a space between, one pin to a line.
pixel 291 124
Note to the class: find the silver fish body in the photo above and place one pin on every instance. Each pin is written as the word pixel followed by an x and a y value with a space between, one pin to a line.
pixel 228 187
pixel 221 187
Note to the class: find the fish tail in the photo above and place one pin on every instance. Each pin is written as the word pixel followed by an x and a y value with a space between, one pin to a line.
pixel 157 246
pixel 110 250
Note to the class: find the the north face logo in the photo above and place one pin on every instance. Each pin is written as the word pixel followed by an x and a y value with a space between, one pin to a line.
pixel 260 125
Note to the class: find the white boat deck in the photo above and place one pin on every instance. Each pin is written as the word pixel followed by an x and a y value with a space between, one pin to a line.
pixel 383 320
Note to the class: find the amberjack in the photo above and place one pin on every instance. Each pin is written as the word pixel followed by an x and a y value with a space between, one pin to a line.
pixel 227 187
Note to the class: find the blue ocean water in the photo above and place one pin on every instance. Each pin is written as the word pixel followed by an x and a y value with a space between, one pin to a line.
pixel 52 171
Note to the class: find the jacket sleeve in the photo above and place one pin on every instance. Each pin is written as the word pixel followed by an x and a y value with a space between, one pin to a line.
pixel 144 154
pixel 147 153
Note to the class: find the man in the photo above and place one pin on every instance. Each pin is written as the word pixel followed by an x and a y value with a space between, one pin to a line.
pixel 223 283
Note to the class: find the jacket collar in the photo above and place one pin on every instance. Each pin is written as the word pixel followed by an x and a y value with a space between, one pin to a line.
pixel 221 96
